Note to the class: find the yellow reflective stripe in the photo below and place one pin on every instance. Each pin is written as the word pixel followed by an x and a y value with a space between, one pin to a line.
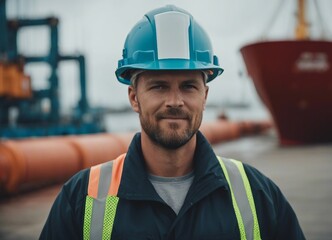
pixel 235 206
pixel 87 217
pixel 109 215
pixel 110 211
pixel 257 235
pixel 242 198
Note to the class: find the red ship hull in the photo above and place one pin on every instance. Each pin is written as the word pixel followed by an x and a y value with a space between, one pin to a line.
pixel 294 81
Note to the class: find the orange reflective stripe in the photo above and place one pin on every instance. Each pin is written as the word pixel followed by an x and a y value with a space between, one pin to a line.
pixel 116 175
pixel 94 181
pixel 115 181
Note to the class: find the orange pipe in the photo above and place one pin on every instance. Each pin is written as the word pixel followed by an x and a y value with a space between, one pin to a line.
pixel 225 130
pixel 4 168
pixel 30 163
pixel 98 148
pixel 124 138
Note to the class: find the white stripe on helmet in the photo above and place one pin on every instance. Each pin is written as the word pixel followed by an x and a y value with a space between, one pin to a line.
pixel 172 29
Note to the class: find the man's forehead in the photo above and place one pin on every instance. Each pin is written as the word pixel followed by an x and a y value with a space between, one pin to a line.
pixel 180 74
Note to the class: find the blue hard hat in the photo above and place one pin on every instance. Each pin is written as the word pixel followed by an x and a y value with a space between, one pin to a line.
pixel 167 38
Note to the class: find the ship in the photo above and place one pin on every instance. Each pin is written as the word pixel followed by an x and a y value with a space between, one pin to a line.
pixel 293 78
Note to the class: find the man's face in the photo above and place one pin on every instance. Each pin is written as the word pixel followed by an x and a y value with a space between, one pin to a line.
pixel 170 105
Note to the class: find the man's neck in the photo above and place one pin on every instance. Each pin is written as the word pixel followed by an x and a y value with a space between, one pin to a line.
pixel 166 162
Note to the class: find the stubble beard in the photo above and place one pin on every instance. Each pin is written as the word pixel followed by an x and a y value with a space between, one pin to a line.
pixel 172 137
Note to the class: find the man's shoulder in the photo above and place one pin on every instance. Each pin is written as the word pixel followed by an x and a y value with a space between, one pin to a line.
pixel 260 181
pixel 257 179
pixel 79 176
pixel 75 188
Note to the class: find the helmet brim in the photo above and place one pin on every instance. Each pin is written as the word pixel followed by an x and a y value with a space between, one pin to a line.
pixel 123 74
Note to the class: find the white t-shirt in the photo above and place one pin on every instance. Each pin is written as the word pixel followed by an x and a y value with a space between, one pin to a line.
pixel 173 190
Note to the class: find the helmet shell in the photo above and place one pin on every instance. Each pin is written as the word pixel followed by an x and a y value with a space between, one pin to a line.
pixel 167 38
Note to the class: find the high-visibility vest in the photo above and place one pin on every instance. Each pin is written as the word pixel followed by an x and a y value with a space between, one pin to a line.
pixel 101 201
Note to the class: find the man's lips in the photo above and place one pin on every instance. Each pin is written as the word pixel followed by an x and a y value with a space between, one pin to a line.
pixel 174 118
pixel 173 114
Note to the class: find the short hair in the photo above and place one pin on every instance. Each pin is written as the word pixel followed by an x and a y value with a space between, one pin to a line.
pixel 134 76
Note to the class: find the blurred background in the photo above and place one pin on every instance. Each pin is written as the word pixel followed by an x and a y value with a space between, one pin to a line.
pixel 97 29
pixel 68 58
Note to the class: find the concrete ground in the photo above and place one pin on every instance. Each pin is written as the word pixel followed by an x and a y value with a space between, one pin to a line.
pixel 304 174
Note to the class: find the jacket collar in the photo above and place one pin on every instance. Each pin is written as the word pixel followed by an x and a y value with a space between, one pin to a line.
pixel 136 185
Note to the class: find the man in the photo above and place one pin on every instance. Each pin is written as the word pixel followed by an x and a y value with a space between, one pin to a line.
pixel 170 184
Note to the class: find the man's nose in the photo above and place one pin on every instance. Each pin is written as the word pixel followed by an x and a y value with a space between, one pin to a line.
pixel 174 99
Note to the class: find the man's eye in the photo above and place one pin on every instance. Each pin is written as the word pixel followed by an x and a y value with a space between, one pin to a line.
pixel 189 86
pixel 158 87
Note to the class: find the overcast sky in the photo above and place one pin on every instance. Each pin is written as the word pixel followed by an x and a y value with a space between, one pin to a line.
pixel 98 28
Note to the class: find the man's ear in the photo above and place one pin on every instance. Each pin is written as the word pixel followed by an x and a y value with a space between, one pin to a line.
pixel 133 98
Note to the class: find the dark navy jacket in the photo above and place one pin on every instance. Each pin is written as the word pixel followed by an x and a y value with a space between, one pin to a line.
pixel 207 212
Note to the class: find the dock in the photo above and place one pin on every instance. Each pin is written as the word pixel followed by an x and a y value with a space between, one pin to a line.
pixel 303 173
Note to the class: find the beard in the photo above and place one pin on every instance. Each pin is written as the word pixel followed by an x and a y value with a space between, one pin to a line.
pixel 172 137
